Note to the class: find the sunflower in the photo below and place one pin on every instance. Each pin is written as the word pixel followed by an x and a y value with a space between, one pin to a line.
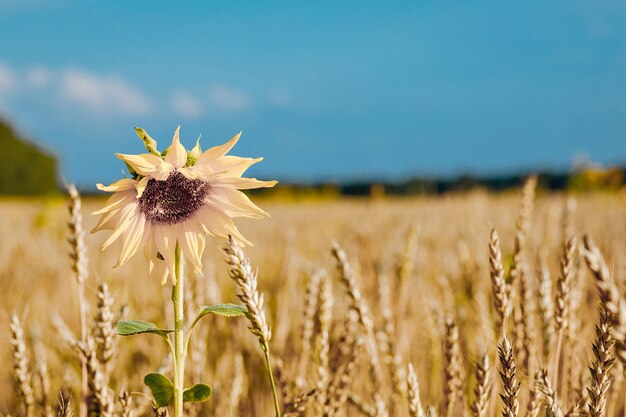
pixel 177 198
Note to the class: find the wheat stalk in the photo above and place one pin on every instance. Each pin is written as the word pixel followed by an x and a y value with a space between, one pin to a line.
pixel 78 257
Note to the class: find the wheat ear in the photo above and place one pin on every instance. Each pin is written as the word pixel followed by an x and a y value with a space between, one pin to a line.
pixel 324 317
pixel 550 399
pixel 98 398
pixel 561 299
pixel 546 305
pixel 601 366
pixel 241 272
pixel 63 408
pixel 358 304
pixel 610 296
pixel 337 391
pixel 499 287
pixel 415 404
pixel 480 406
pixel 21 368
pixel 510 386
pixel 311 298
pixel 126 404
pixel 534 397
pixel 104 334
pixel 453 386
pixel 387 336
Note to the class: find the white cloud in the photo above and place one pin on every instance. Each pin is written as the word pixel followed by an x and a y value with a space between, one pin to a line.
pixel 102 93
pixel 38 77
pixel 8 79
pixel 186 105
pixel 229 99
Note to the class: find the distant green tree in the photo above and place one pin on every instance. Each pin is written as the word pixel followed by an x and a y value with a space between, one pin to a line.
pixel 25 169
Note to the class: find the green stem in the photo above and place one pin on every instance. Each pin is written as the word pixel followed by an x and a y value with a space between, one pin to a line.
pixel 178 299
pixel 268 364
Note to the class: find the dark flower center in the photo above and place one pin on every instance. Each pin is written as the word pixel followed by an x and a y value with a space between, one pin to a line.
pixel 173 200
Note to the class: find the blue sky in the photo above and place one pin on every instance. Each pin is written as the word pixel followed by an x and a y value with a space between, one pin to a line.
pixel 324 89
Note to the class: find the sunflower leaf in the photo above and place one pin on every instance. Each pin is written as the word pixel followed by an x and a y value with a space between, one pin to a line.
pixel 161 387
pixel 132 327
pixel 199 393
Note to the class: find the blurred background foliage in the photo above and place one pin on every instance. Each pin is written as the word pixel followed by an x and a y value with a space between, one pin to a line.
pixel 25 169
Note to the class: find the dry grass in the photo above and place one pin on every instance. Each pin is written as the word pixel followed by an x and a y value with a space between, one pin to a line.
pixel 358 299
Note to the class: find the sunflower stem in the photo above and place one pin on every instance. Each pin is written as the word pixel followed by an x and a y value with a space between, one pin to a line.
pixel 178 299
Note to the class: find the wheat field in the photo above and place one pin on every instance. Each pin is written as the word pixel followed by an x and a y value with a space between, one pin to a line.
pixel 407 307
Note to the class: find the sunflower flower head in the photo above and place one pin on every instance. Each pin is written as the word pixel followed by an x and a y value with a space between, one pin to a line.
pixel 177 197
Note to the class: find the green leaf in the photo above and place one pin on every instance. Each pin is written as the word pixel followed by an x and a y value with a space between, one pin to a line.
pixel 131 327
pixel 226 310
pixel 161 387
pixel 199 393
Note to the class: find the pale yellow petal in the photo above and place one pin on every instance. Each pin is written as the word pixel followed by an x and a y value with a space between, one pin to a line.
pixel 148 165
pixel 166 245
pixel 120 185
pixel 189 173
pixel 211 221
pixel 141 186
pixel 218 151
pixel 245 183
pixel 132 239
pixel 233 166
pixel 107 221
pixel 232 229
pixel 149 248
pixel 192 244
pixel 116 201
pixel 126 217
pixel 177 154
pixel 234 203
